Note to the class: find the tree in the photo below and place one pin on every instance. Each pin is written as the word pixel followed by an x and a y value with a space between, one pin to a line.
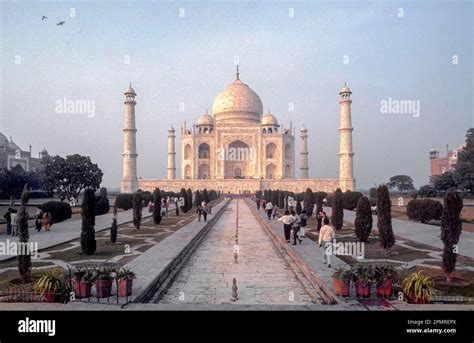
pixel 157 206
pixel 426 191
pixel 205 195
pixel 88 242
pixel 337 215
pixel 384 215
pixel 373 193
pixel 137 203
pixel 281 199
pixel 451 227
pixel 114 227
pixel 198 197
pixel 298 208
pixel 189 196
pixel 184 198
pixel 308 202
pixel 319 208
pixel 70 175
pixel 464 170
pixel 444 182
pixel 13 181
pixel 24 258
pixel 401 182
pixel 363 221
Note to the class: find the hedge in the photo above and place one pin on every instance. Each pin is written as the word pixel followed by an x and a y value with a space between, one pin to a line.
pixel 60 211
pixel 124 201
pixel 424 210
pixel 350 199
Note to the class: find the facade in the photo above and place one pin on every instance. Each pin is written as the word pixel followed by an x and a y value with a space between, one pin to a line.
pixel 11 155
pixel 441 165
pixel 238 148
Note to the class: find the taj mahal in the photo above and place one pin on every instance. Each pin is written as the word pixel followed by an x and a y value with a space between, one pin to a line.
pixel 238 148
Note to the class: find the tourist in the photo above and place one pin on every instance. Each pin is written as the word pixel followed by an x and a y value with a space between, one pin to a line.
pixel 199 212
pixel 274 212
pixel 269 209
pixel 14 223
pixel 304 221
pixel 321 216
pixel 326 237
pixel 163 208
pixel 47 221
pixel 38 219
pixel 209 208
pixel 296 227
pixel 258 204
pixel 8 218
pixel 167 202
pixel 287 220
pixel 204 213
pixel 150 207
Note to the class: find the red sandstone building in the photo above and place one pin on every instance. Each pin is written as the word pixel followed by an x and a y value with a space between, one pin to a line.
pixel 440 165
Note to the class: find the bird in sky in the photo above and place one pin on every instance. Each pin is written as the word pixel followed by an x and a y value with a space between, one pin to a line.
pixel 60 23
pixel 44 17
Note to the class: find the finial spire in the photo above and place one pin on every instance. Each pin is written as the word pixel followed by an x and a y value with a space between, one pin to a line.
pixel 237 74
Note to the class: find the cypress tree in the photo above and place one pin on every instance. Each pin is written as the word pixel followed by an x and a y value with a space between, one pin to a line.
pixel 189 194
pixel 137 209
pixel 308 202
pixel 451 227
pixel 337 213
pixel 183 196
pixel 157 206
pixel 298 208
pixel 384 215
pixel 363 221
pixel 88 242
pixel 198 197
pixel 281 199
pixel 24 260
pixel 205 195
pixel 113 227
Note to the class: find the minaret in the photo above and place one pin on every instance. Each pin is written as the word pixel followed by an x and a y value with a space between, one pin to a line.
pixel 346 175
pixel 129 182
pixel 304 153
pixel 171 154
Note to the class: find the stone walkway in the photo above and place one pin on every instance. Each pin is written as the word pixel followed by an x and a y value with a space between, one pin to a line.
pixel 262 275
pixel 69 230
pixel 421 233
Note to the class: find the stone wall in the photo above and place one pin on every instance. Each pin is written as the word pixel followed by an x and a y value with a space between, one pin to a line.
pixel 237 186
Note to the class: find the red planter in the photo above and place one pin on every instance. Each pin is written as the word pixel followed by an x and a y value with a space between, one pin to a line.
pixel 103 288
pixel 345 289
pixel 411 297
pixel 81 289
pixel 384 289
pixel 52 297
pixel 125 287
pixel 362 290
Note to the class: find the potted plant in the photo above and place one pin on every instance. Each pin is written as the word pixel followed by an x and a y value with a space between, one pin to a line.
pixel 82 282
pixel 125 282
pixel 418 288
pixel 385 275
pixel 341 281
pixel 103 282
pixel 363 277
pixel 51 285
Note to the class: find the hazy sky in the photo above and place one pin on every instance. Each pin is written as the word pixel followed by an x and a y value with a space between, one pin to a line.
pixel 398 50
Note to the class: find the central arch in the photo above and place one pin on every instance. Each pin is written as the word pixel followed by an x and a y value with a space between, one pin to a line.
pixel 237 160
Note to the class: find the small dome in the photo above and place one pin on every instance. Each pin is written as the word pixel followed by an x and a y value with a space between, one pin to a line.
pixel 345 89
pixel 303 128
pixel 433 150
pixel 269 119
pixel 205 119
pixel 130 90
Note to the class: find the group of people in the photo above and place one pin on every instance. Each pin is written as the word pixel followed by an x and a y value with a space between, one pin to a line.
pixel 294 227
pixel 202 210
pixel 41 220
pixel 164 207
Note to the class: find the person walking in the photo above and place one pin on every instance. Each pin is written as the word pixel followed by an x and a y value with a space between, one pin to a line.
pixel 199 212
pixel 204 213
pixel 296 227
pixel 47 221
pixel 287 221
pixel 304 221
pixel 38 219
pixel 269 209
pixel 258 204
pixel 274 212
pixel 326 237
pixel 14 223
pixel 8 218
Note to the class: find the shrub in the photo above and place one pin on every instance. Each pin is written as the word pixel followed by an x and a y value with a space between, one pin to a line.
pixel 182 194
pixel 113 227
pixel 88 242
pixel 137 209
pixel 363 220
pixel 124 201
pixel 451 228
pixel 59 211
pixel 189 197
pixel 102 202
pixel 424 210
pixel 298 208
pixel 350 199
pixel 426 191
pixel 308 202
pixel 337 215
pixel 24 260
pixel 157 206
pixel 147 197
pixel 384 216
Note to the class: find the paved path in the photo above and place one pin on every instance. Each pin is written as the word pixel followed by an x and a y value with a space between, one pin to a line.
pixel 421 233
pixel 263 277
pixel 69 230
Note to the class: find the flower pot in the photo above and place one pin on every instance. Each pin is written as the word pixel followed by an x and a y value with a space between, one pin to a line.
pixel 362 290
pixel 345 289
pixel 103 288
pixel 52 297
pixel 125 287
pixel 412 299
pixel 81 289
pixel 337 286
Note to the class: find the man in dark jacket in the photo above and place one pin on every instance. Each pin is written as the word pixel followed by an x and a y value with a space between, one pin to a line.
pixel 8 218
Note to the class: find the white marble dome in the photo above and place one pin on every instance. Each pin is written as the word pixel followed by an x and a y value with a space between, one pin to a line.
pixel 206 120
pixel 270 120
pixel 238 103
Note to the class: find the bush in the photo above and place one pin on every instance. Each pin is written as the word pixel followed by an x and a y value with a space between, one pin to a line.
pixel 88 242
pixel 424 210
pixel 337 215
pixel 451 227
pixel 350 199
pixel 124 201
pixel 137 202
pixel 157 206
pixel 59 211
pixel 363 220
pixel 102 202
pixel 147 197
pixel 384 218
